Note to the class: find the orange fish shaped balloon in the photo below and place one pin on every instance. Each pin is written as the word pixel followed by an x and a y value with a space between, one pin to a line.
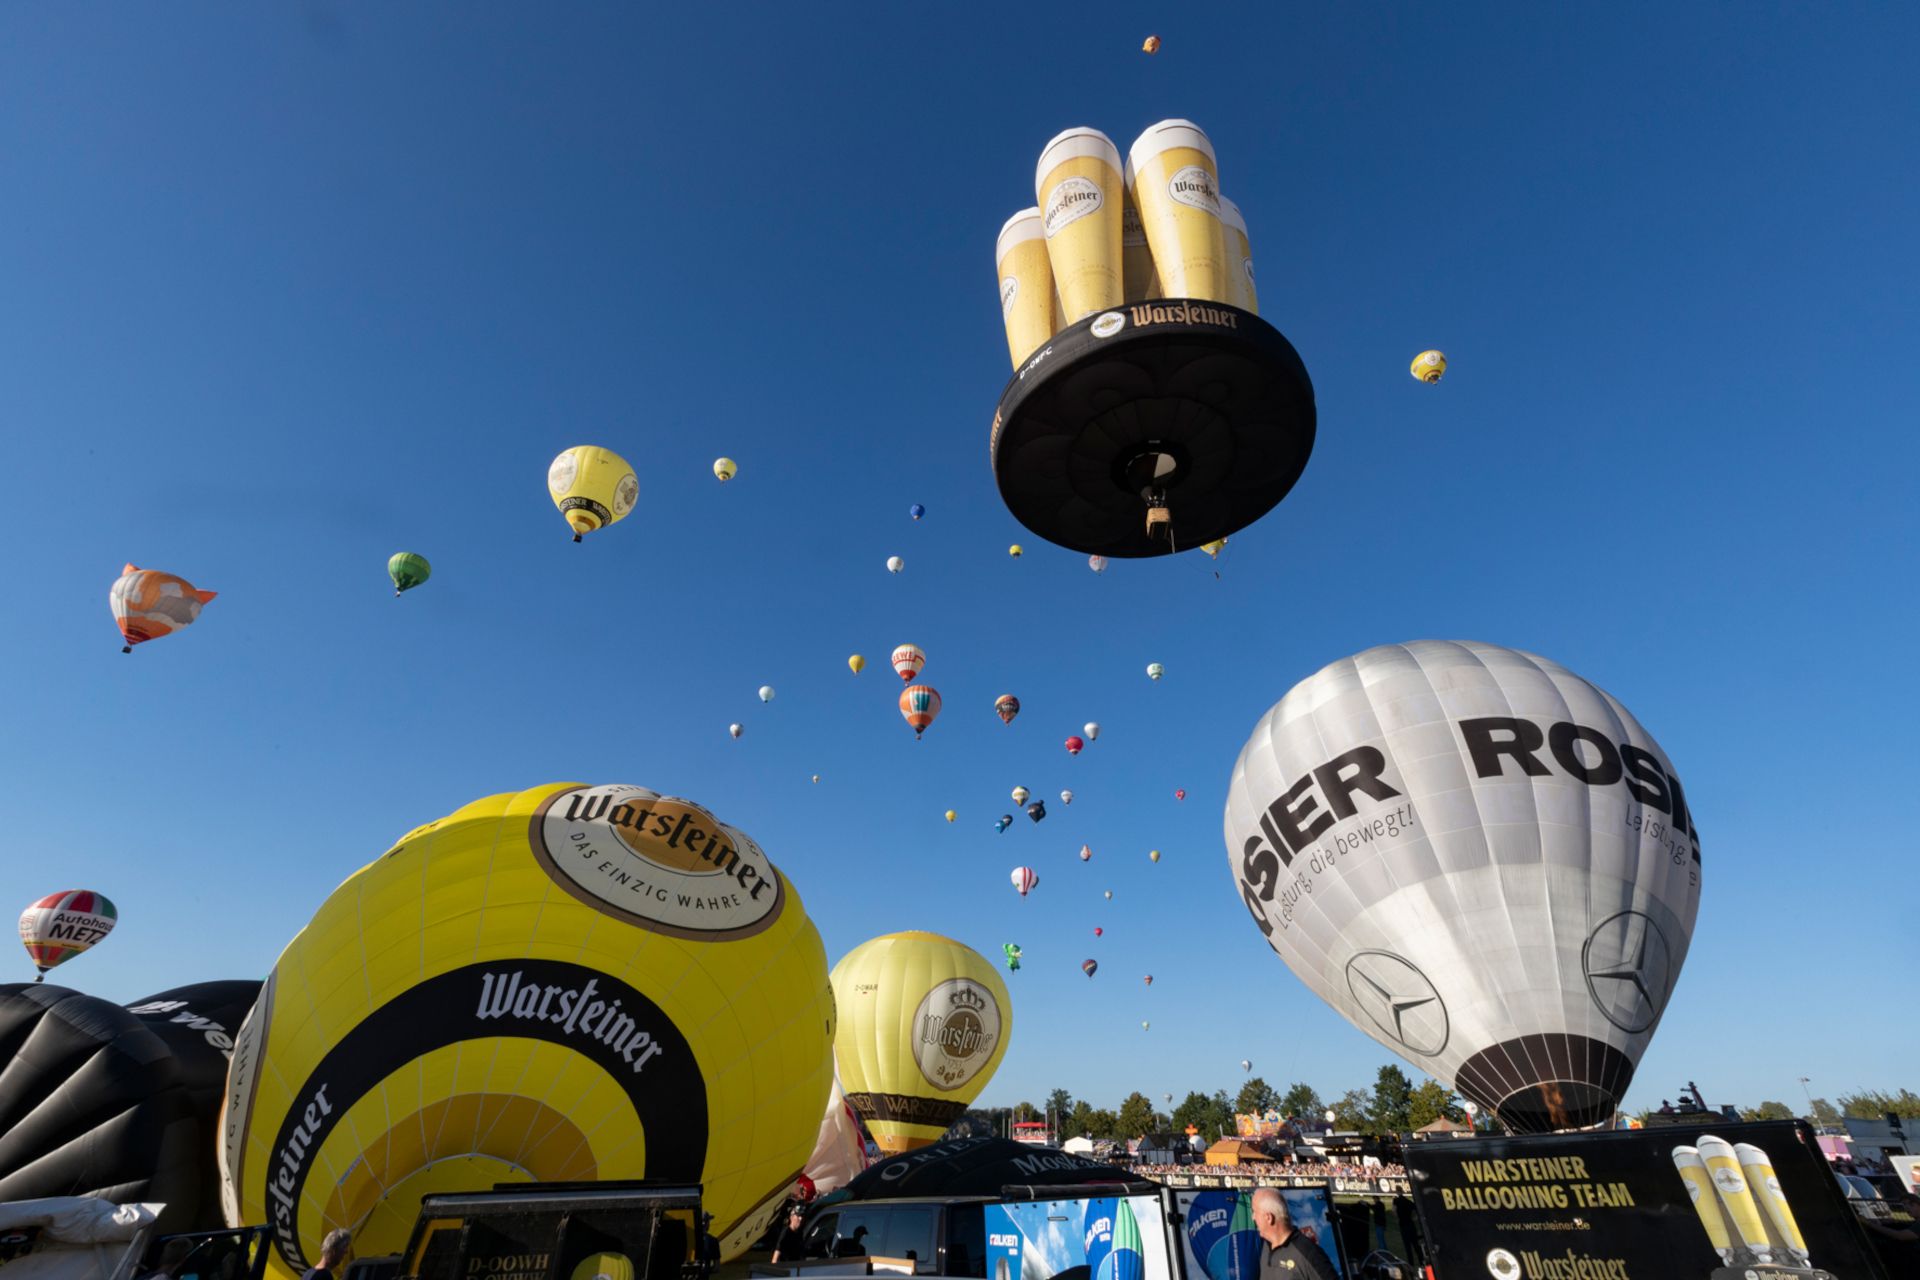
pixel 149 604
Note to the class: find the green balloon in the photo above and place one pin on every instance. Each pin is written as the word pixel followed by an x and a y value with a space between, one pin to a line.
pixel 408 571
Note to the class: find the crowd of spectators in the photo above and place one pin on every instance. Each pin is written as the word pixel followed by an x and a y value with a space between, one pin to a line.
pixel 1275 1169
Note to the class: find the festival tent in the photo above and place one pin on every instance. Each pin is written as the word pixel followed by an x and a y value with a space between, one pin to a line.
pixel 1234 1151
pixel 1443 1126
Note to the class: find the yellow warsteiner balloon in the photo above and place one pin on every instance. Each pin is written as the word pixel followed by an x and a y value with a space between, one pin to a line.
pixel 593 487
pixel 570 983
pixel 924 1022
pixel 1429 366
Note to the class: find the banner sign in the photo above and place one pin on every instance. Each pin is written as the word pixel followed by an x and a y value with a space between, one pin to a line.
pixel 1219 1237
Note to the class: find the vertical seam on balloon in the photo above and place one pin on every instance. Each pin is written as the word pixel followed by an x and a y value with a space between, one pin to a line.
pixel 1547 878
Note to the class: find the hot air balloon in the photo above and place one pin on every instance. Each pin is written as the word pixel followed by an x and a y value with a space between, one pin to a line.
pixel 1066 797
pixel 1429 366
pixel 1109 895
pixel 924 1023
pixel 766 693
pixel 1166 1097
pixel 1006 706
pixel 1153 855
pixel 1155 671
pixel 856 663
pixel 1019 795
pixel 1150 45
pixel 816 778
pixel 1098 931
pixel 1149 981
pixel 1089 967
pixel 1245 1065
pixel 408 571
pixel 1214 548
pixel 916 511
pixel 1086 853
pixel 61 925
pixel 1013 955
pixel 1001 823
pixel 951 815
pixel 1145 1025
pixel 1530 879
pixel 1179 793
pixel 895 564
pixel 1097 563
pixel 1075 744
pixel 1015 551
pixel 1092 729
pixel 724 469
pixel 1037 810
pixel 593 487
pixel 625 1034
pixel 1024 879
pixel 907 661
pixel 919 703
pixel 733 730
pixel 148 604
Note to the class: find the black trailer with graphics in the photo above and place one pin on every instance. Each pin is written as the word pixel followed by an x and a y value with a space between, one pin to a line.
pixel 561 1231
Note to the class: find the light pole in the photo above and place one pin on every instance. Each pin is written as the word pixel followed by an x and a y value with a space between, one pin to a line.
pixel 1811 1118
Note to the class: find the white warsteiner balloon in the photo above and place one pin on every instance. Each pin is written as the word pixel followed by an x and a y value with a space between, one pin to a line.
pixel 1481 860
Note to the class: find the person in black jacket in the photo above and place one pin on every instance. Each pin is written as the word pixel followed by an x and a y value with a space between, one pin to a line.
pixel 1289 1254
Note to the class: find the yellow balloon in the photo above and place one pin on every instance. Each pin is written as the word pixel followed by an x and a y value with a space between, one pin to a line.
pixel 924 1022
pixel 593 487
pixel 1428 366
pixel 571 983
pixel 1153 855
pixel 856 664
pixel 951 815
pixel 1015 551
pixel 725 469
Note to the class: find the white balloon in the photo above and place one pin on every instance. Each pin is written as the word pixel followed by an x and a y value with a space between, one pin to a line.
pixel 1092 729
pixel 1481 860
pixel 895 564
pixel 766 693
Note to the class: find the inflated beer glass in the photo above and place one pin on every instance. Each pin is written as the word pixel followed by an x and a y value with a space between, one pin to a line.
pixel 1176 186
pixel 1724 1167
pixel 1758 1166
pixel 1026 284
pixel 1240 291
pixel 1693 1172
pixel 1138 279
pixel 1079 187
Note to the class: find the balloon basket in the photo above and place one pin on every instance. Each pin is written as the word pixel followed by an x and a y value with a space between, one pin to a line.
pixel 1153 428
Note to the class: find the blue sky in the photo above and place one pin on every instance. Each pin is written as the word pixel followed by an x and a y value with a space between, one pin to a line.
pixel 289 288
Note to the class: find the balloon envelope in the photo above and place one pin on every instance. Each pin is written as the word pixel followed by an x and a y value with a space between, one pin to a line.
pixel 907 660
pixel 148 604
pixel 61 925
pixel 916 511
pixel 1075 745
pixel 1155 671
pixel 919 703
pixel 1089 967
pixel 1020 795
pixel 724 469
pixel 1024 879
pixel 592 487
pixel 1092 729
pixel 408 570
pixel 1429 366
pixel 766 693
pixel 895 564
pixel 924 1023
pixel 1505 870
pixel 1006 706
pixel 856 664
pixel 1097 563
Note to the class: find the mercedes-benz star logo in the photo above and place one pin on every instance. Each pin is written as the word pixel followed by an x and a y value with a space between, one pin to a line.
pixel 1398 999
pixel 1629 968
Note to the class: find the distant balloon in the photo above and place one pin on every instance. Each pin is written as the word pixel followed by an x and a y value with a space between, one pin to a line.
pixel 408 571
pixel 916 511
pixel 816 777
pixel 1015 551
pixel 1429 366
pixel 951 815
pixel 1089 967
pixel 1075 745
pixel 766 693
pixel 1092 729
pixel 1245 1065
pixel 1013 955
pixel 1098 931
pixel 1001 823
pixel 148 604
pixel 856 663
pixel 61 925
pixel 733 730
pixel 1109 895
pixel 1179 793
pixel 1066 797
pixel 1020 795
pixel 1153 855
pixel 1150 45
pixel 1155 671
pixel 919 703
pixel 1037 810
pixel 1006 706
pixel 1214 548
pixel 1097 563
pixel 1167 1097
pixel 1149 981
pixel 895 564
pixel 1024 879
pixel 592 487
pixel 1086 853
pixel 1146 1026
pixel 724 469
pixel 907 660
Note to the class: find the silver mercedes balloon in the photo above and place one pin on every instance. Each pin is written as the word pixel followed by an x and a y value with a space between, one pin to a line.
pixel 1480 859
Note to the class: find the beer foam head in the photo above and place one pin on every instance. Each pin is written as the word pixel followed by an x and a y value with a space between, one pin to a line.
pixel 1075 143
pixel 1024 225
pixel 1165 136
pixel 1230 214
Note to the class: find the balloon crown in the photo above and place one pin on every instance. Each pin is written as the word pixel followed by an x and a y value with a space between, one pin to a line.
pixel 967 998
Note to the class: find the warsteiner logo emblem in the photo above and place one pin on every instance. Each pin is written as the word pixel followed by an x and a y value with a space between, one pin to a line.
pixel 656 862
pixel 955 1032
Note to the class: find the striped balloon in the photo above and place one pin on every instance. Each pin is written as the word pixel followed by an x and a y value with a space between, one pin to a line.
pixel 148 604
pixel 919 703
pixel 62 925
pixel 907 660
pixel 1024 878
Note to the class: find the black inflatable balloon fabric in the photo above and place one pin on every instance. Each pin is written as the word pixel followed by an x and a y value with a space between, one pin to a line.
pixel 198 1023
pixel 92 1103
